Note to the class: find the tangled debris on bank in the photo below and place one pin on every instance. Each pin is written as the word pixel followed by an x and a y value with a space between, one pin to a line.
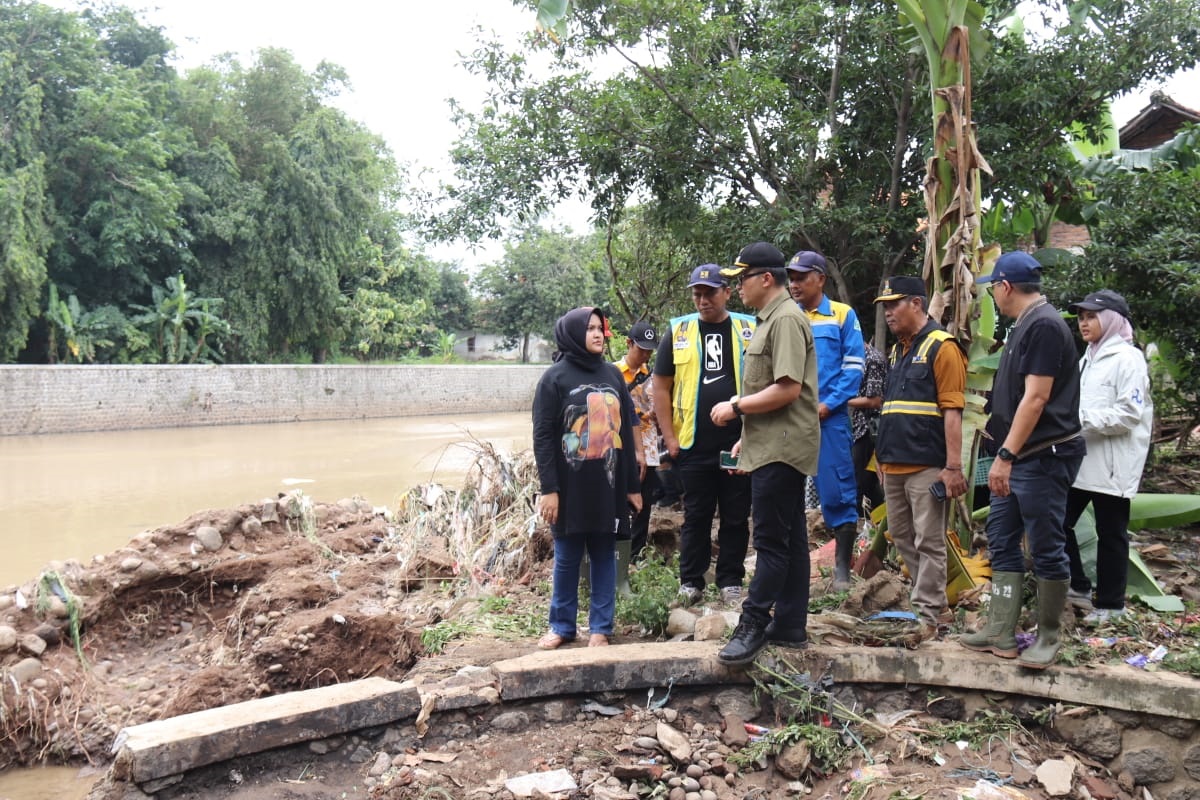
pixel 290 594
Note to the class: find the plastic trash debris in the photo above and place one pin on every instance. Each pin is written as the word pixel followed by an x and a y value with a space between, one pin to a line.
pixel 985 790
pixel 871 772
pixel 908 615
pixel 601 709
pixel 558 780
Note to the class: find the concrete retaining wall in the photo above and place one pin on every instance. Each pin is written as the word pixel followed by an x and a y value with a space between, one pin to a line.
pixel 65 399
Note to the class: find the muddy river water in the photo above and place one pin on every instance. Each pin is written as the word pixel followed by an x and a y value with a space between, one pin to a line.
pixel 75 495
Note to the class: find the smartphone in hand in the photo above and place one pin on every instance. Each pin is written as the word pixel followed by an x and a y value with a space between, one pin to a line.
pixel 728 460
pixel 938 490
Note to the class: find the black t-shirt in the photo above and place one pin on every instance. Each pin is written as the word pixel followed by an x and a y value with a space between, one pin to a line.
pixel 1040 345
pixel 716 385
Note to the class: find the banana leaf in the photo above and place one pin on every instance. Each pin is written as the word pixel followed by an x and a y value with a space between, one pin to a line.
pixel 1163 510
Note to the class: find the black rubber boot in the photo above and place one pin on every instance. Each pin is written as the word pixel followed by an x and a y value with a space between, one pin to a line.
pixel 845 536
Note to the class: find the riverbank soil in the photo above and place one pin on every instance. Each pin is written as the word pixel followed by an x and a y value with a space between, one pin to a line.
pixel 287 594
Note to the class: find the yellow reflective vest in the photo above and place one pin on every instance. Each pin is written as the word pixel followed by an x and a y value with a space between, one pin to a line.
pixel 687 348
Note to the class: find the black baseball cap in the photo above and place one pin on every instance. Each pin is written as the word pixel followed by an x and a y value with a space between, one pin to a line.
pixel 643 335
pixel 900 286
pixel 760 255
pixel 1103 300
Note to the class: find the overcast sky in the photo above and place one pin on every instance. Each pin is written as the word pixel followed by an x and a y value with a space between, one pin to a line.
pixel 402 58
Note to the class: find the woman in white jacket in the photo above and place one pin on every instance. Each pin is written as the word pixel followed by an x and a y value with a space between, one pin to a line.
pixel 1116 413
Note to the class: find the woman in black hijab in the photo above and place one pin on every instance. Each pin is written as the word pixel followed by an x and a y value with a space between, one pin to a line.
pixel 583 442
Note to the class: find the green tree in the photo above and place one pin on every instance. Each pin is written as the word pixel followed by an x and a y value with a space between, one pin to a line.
pixel 1146 245
pixel 542 276
pixel 294 211
pixel 797 122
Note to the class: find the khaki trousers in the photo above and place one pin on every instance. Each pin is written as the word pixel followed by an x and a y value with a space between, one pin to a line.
pixel 917 523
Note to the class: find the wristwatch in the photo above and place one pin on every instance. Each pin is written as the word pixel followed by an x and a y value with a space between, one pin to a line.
pixel 1005 454
pixel 733 401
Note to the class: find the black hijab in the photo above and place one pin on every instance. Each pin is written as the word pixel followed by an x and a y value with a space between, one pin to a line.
pixel 570 334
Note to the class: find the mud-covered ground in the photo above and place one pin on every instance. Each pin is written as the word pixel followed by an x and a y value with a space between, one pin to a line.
pixel 286 594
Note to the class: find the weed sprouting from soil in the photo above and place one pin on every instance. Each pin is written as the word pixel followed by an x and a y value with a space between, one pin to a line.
pixel 51 584
pixel 654 587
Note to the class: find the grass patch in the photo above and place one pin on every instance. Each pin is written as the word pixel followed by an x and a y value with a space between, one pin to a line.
pixel 654 587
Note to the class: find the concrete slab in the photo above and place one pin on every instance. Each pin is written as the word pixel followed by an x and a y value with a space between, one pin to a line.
pixel 636 666
pixel 169 746
pixel 578 670
pixel 1168 694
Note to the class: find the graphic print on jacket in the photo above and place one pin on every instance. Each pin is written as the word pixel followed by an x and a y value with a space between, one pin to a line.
pixel 593 429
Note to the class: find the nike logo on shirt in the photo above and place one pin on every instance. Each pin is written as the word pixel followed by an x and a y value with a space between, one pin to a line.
pixel 712 379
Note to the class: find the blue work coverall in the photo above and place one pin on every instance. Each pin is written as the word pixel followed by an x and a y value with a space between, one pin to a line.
pixel 840 358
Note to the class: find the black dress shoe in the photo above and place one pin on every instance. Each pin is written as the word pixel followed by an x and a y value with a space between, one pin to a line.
pixel 748 639
pixel 796 638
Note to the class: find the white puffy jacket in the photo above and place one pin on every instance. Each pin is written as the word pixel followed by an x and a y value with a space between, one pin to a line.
pixel 1116 412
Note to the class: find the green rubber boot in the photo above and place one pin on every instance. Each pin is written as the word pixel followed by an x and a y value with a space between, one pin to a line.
pixel 998 636
pixel 844 535
pixel 1052 599
pixel 624 552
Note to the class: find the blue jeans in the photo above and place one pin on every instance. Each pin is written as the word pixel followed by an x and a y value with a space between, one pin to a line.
pixel 836 483
pixel 781 570
pixel 1036 509
pixel 564 597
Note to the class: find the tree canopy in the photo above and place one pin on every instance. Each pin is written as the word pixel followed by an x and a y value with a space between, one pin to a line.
pixel 124 184
pixel 803 123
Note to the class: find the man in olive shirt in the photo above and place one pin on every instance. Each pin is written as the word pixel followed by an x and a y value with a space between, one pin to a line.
pixel 781 434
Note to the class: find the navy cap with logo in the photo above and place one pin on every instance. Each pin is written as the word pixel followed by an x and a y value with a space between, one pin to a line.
pixel 760 255
pixel 807 261
pixel 1014 267
pixel 643 335
pixel 707 275
pixel 1103 300
pixel 901 286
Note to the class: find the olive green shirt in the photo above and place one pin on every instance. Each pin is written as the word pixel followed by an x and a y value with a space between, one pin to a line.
pixel 782 347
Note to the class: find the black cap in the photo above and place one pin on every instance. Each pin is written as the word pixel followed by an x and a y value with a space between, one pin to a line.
pixel 643 335
pixel 760 255
pixel 901 286
pixel 1103 300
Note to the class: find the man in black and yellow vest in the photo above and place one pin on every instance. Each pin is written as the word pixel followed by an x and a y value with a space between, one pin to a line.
pixel 699 364
pixel 919 449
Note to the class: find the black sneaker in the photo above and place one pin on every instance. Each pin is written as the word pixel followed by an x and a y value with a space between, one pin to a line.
pixel 748 639
pixel 796 638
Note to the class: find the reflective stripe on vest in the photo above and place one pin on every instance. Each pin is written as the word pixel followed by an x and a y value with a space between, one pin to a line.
pixel 911 429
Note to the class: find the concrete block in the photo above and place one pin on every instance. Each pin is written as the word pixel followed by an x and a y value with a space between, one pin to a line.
pixel 1168 694
pixel 170 746
pixel 575 670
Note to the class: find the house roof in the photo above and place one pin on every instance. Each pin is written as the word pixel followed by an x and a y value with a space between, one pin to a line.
pixel 1156 123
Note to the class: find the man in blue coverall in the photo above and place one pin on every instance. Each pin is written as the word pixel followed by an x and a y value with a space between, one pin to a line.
pixel 840 356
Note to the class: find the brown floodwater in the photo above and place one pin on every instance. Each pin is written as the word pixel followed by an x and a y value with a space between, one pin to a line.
pixel 75 495
pixel 78 494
